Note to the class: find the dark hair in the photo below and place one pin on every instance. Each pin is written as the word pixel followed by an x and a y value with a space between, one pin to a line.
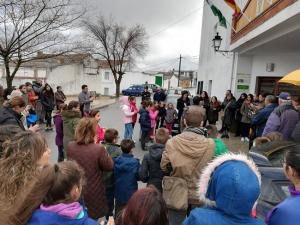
pixel 251 97
pixel 146 103
pixel 244 95
pixel 146 87
pixel 21 86
pixel 28 84
pixel 83 86
pixel 58 87
pixel 131 98
pixel 162 136
pixel 127 145
pixel 110 135
pixel 62 106
pixel 264 94
pixel 206 95
pixel 73 105
pixel 93 113
pixel 85 131
pixel 183 93
pixel 196 100
pixel 292 158
pixel 296 98
pixel 48 92
pixel 17 101
pixel 145 207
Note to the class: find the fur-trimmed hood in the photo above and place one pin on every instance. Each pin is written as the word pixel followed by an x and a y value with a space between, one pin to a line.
pixel 230 183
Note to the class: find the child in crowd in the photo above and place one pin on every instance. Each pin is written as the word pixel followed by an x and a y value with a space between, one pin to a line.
pixel 162 112
pixel 170 117
pixel 54 198
pixel 126 173
pixel 133 108
pixel 145 122
pixel 220 147
pixel 150 171
pixel 113 149
pixel 153 113
pixel 127 117
pixel 100 130
pixel 59 138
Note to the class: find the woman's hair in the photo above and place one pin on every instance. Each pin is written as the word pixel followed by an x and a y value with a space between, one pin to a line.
pixel 53 186
pixel 292 158
pixel 6 133
pixel 251 97
pixel 73 105
pixel 244 95
pixel 16 101
pixel 86 131
pixel 62 107
pixel 145 207
pixel 19 164
pixel 214 97
pixel 46 91
pixel 205 95
pixel 131 98
pixel 94 112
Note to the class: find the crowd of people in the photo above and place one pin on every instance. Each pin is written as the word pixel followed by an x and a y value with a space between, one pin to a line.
pixel 192 178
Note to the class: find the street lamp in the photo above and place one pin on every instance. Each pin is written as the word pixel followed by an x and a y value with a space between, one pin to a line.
pixel 217 43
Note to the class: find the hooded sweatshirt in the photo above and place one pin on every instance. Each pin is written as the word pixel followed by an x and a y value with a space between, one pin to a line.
pixel 126 111
pixel 228 195
pixel 188 154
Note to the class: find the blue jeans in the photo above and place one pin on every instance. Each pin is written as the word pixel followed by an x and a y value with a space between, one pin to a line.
pixel 128 131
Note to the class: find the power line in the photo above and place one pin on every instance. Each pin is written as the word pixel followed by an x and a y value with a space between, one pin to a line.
pixel 158 64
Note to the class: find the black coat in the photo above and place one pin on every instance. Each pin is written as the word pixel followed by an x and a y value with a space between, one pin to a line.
pixel 47 101
pixel 146 95
pixel 10 117
pixel 150 171
pixel 159 97
pixel 144 120
pixel 180 106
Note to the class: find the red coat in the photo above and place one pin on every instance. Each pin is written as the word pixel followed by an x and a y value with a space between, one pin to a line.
pixel 94 159
pixel 99 134
pixel 133 108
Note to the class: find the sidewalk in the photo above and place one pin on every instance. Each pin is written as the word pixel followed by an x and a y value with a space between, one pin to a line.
pixel 98 103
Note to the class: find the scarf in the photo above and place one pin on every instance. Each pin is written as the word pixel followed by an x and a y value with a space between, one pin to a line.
pixel 73 210
pixel 197 130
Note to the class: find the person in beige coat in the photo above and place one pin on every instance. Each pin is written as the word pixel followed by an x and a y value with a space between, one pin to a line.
pixel 188 153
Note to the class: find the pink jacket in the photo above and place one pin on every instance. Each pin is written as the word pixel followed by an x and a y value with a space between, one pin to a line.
pixel 99 134
pixel 153 116
pixel 126 111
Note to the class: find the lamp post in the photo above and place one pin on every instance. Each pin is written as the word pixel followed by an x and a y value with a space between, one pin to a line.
pixel 217 43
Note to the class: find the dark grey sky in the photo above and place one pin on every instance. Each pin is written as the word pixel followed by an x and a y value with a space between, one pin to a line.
pixel 156 15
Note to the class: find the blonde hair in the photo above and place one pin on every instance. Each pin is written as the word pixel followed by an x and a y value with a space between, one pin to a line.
pixel 86 131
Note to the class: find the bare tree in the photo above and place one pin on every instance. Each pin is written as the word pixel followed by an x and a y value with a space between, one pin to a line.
pixel 117 44
pixel 28 27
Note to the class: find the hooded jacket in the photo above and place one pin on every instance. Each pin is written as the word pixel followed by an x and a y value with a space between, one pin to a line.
pixel 126 174
pixel 188 154
pixel 10 117
pixel 144 120
pixel 150 171
pixel 228 195
pixel 126 111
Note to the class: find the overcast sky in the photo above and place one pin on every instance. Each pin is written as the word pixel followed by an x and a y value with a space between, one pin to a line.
pixel 156 15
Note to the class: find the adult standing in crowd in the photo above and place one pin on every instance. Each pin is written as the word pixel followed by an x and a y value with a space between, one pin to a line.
pixel 94 159
pixel 287 212
pixel 246 112
pixel 146 95
pixel 47 99
pixel 206 104
pixel 159 95
pixel 182 103
pixel 60 97
pixel 284 118
pixel 260 119
pixel 187 154
pixel 38 87
pixel 197 103
pixel 238 115
pixel 85 100
pixel 213 112
pixel 229 110
pixel 23 90
pixel 32 97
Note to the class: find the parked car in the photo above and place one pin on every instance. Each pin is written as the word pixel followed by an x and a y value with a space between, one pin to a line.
pixel 134 90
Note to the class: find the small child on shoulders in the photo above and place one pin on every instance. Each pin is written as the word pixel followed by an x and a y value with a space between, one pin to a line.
pixel 126 175
pixel 150 171
pixel 220 147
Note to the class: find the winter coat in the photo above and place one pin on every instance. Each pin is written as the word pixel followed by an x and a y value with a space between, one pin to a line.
pixel 40 217
pixel 287 212
pixel 153 116
pixel 171 115
pixel 99 134
pixel 229 112
pixel 70 121
pixel 85 101
pixel 162 112
pixel 238 106
pixel 94 159
pixel 296 133
pixel 229 197
pixel 60 98
pixel 32 99
pixel 246 113
pixel 146 95
pixel 126 173
pixel 150 171
pixel 261 117
pixel 213 113
pixel 47 100
pixel 144 120
pixel 283 119
pixel 126 111
pixel 181 105
pixel 188 154
pixel 133 108
pixel 10 117
pixel 159 96
pixel 58 122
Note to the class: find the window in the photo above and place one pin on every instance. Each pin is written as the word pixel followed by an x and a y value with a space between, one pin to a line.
pixel 106 76
pixel 259 7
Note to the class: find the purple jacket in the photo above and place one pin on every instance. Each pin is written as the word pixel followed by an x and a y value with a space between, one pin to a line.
pixel 283 119
pixel 58 122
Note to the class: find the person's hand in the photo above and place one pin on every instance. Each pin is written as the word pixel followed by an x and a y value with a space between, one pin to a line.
pixel 110 221
pixel 34 128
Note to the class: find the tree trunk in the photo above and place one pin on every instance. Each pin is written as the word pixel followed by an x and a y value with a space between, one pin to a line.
pixel 118 89
pixel 9 79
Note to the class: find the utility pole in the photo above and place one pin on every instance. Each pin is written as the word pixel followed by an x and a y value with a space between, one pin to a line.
pixel 179 71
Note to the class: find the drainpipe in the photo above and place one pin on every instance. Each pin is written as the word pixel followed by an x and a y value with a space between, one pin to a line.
pixel 232 71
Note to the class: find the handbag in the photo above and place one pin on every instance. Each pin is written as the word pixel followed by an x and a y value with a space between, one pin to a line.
pixel 175 193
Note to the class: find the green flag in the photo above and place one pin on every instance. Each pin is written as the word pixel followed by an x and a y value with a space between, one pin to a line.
pixel 218 13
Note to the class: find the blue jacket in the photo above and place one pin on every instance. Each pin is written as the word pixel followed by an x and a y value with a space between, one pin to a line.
pixel 40 217
pixel 233 195
pixel 144 120
pixel 126 174
pixel 261 118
